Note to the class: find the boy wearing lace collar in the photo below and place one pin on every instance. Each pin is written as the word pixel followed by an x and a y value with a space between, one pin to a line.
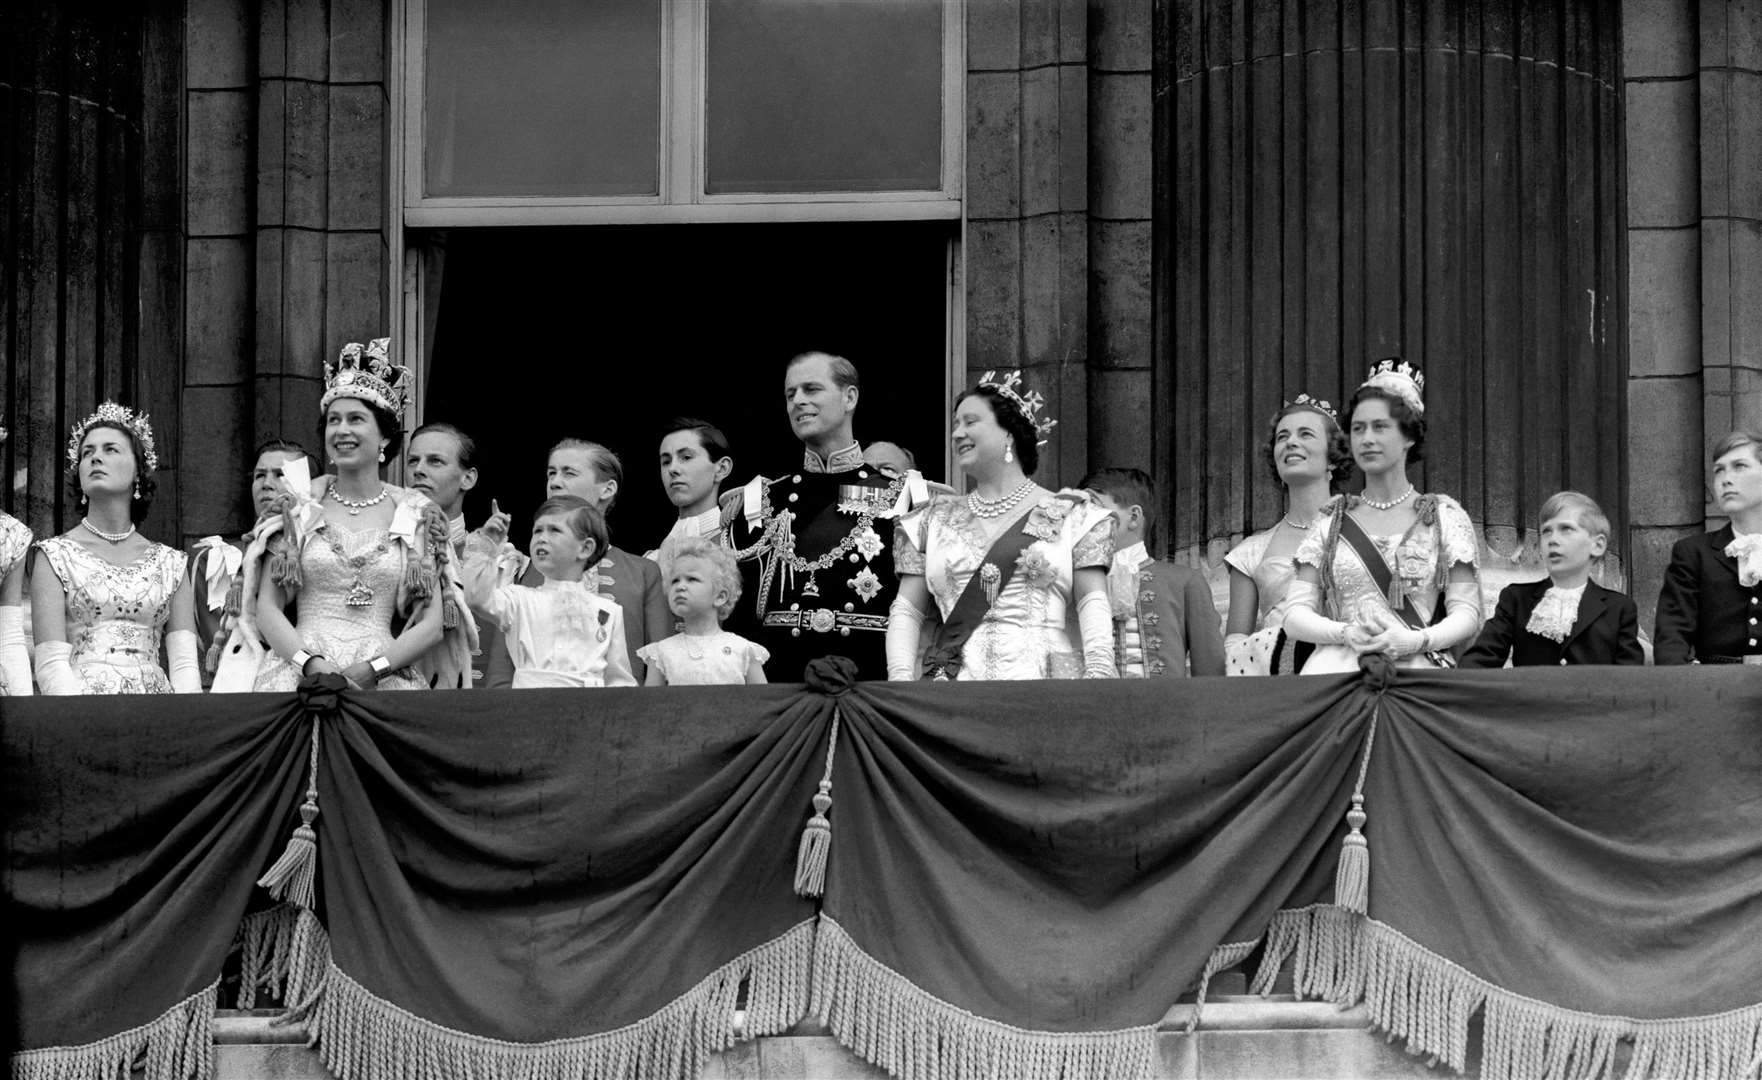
pixel 1568 618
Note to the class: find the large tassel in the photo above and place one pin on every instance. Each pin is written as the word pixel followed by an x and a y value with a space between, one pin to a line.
pixel 1352 877
pixel 816 838
pixel 294 876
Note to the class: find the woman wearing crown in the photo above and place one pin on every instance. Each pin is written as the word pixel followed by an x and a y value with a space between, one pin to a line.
pixel 1005 564
pixel 102 595
pixel 361 556
pixel 1391 571
pixel 1309 456
pixel 15 664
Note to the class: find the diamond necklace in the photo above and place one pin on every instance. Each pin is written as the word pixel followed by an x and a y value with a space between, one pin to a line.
pixel 990 508
pixel 114 538
pixel 357 505
pixel 1392 503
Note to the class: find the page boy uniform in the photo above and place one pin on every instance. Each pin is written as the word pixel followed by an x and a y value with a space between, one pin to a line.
pixel 1539 623
pixel 1164 620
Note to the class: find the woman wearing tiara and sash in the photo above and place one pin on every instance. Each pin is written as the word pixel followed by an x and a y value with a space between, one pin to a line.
pixel 359 555
pixel 102 595
pixel 1309 456
pixel 1006 564
pixel 1392 571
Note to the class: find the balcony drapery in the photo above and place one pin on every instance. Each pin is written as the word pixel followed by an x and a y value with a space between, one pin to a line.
pixel 1022 877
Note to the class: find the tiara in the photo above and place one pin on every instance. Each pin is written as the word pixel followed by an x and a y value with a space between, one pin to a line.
pixel 1304 401
pixel 110 414
pixel 366 372
pixel 1030 403
pixel 1400 378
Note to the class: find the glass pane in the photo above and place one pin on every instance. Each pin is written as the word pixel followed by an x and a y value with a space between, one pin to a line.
pixel 542 97
pixel 824 95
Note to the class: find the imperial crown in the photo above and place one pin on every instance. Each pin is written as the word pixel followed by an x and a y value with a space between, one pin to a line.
pixel 110 414
pixel 1030 403
pixel 1400 378
pixel 367 372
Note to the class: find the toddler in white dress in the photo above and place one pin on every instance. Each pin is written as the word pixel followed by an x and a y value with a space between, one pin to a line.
pixel 558 633
pixel 702 587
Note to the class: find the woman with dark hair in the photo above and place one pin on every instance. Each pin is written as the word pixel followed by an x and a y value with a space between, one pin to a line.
pixel 103 595
pixel 15 663
pixel 216 562
pixel 370 564
pixel 1392 571
pixel 1004 564
pixel 1308 455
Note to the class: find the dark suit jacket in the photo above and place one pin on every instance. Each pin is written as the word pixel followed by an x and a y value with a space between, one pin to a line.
pixel 1607 631
pixel 635 583
pixel 1702 610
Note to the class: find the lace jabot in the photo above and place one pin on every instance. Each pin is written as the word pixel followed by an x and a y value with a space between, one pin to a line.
pixel 1747 550
pixel 1555 615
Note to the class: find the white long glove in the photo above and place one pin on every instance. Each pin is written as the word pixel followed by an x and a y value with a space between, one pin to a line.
pixel 54 673
pixel 15 663
pixel 1304 623
pixel 180 660
pixel 905 627
pixel 1095 620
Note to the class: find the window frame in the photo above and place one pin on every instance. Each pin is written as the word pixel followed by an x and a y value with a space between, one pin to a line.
pixel 683 195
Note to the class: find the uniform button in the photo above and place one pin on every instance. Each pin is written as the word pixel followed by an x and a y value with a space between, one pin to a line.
pixel 794 495
pixel 1752 620
pixel 1752 641
pixel 796 479
pixel 795 607
pixel 854 557
pixel 850 607
pixel 862 474
pixel 1563 661
pixel 796 632
pixel 845 630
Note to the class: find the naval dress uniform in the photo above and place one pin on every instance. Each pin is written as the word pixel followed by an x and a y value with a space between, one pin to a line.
pixel 815 549
pixel 1706 614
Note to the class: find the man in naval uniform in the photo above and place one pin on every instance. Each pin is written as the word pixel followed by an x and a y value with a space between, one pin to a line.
pixel 815 545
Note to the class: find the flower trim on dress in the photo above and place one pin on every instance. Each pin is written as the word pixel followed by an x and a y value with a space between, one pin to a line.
pixel 1047 519
pixel 1034 568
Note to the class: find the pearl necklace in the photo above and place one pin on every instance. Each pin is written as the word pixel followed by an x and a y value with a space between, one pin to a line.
pixel 1391 504
pixel 990 508
pixel 1296 524
pixel 114 538
pixel 357 505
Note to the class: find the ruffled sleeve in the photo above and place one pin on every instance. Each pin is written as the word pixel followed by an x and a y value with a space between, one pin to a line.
pixel 909 538
pixel 1094 548
pixel 15 540
pixel 652 657
pixel 1459 541
pixel 1245 557
pixel 755 651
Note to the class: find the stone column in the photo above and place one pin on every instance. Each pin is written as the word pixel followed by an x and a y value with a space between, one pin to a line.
pixel 1027 192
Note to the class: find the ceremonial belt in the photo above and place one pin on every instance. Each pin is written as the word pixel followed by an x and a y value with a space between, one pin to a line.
pixel 943 661
pixel 825 620
pixel 1353 533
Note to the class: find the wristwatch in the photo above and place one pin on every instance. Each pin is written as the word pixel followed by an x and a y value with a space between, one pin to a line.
pixel 380 666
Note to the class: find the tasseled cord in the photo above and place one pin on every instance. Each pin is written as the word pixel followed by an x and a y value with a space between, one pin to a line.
pixel 1352 877
pixel 293 877
pixel 816 837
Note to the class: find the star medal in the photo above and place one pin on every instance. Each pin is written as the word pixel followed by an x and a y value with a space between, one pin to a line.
pixel 867 584
pixel 868 543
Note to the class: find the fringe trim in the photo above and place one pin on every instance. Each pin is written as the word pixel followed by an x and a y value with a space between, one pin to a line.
pixel 1411 992
pixel 1223 957
pixel 286 952
pixel 179 1045
pixel 363 1037
pixel 888 1021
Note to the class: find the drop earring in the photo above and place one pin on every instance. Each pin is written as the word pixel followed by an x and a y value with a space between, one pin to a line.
pixel 382 456
pixel 137 490
pixel 1009 452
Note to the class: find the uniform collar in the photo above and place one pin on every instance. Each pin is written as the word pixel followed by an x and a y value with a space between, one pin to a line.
pixel 851 457
pixel 456 530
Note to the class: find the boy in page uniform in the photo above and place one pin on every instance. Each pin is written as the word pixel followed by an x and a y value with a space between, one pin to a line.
pixel 1566 618
pixel 1164 621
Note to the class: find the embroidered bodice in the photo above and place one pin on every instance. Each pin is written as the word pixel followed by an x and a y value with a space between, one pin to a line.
pixel 1024 633
pixel 116 615
pixel 1419 560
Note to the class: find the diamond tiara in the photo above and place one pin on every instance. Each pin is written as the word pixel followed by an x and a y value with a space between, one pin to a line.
pixel 110 414
pixel 1400 378
pixel 1030 403
pixel 1304 401
pixel 367 372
